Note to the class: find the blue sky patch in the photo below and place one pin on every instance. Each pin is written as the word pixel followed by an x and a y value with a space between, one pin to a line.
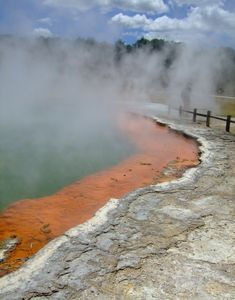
pixel 178 20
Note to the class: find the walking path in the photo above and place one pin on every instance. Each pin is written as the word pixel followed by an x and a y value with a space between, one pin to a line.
pixel 168 241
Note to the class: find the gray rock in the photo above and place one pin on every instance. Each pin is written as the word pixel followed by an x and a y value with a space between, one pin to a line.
pixel 7 246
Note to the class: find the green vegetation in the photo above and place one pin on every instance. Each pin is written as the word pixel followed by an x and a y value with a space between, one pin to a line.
pixel 152 46
pixel 224 74
pixel 227 107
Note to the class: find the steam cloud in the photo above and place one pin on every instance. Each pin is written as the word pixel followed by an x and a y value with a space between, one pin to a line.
pixel 74 90
pixel 85 76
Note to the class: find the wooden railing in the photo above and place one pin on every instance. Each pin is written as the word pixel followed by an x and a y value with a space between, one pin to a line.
pixel 208 117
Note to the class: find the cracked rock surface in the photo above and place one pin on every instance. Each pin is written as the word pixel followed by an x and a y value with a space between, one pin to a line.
pixel 173 240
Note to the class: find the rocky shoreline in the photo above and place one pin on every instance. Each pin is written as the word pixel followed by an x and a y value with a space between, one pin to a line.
pixel 172 240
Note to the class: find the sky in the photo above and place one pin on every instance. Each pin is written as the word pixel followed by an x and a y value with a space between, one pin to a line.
pixel 208 21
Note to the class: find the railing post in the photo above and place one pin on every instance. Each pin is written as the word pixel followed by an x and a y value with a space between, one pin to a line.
pixel 194 115
pixel 228 123
pixel 208 117
pixel 180 111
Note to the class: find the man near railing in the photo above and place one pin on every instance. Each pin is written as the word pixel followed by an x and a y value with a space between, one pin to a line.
pixel 186 96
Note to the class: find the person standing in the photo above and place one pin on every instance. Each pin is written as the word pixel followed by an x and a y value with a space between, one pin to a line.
pixel 186 95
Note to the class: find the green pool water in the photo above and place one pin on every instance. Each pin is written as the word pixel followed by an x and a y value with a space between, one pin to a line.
pixel 37 158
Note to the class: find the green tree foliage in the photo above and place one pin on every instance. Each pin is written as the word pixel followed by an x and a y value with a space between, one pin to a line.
pixel 120 49
pixel 154 45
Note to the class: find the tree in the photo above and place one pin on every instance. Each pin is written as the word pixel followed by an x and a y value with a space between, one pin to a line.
pixel 120 50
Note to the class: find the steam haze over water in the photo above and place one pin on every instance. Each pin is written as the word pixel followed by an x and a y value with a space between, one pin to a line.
pixel 61 96
pixel 58 118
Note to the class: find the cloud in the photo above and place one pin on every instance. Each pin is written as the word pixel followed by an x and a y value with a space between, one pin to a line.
pixel 199 19
pixel 198 3
pixel 44 32
pixel 134 22
pixel 144 6
pixel 46 21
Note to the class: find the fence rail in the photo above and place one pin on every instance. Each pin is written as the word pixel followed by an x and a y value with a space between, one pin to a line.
pixel 208 117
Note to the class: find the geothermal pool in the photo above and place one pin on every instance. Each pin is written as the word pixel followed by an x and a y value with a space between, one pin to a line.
pixel 37 160
pixel 137 154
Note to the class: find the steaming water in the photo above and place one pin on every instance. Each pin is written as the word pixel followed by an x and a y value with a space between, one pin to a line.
pixel 58 100
pixel 39 157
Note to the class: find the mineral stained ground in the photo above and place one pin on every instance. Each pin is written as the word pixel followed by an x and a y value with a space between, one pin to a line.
pixel 173 240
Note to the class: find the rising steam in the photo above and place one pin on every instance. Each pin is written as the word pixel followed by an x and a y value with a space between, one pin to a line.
pixel 64 92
